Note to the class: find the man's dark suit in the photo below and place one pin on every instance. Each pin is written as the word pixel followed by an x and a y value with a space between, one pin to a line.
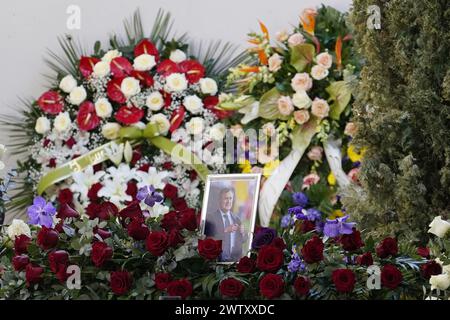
pixel 214 228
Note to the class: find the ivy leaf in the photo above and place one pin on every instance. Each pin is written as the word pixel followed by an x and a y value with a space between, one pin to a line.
pixel 341 94
pixel 302 55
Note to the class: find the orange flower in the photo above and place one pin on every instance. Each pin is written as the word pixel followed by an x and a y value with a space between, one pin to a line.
pixel 249 69
pixel 338 50
pixel 308 20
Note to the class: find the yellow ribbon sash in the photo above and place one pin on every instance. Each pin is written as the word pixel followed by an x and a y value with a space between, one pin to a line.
pixel 99 155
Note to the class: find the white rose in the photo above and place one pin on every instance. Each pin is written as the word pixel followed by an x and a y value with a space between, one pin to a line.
pixel 217 131
pixel 77 95
pixel 439 227
pixel 296 39
pixel 285 106
pixel 324 59
pixel 301 82
pixel 111 54
pixel 176 82
pixel 161 122
pixel 350 129
pixel 301 100
pixel 195 126
pixel 101 69
pixel 441 281
pixel 155 101
pixel 318 72
pixel 110 130
pixel 281 36
pixel 320 108
pixel 17 228
pixel 130 86
pixel 177 56
pixel 103 108
pixel 68 83
pixel 275 62
pixel 62 122
pixel 144 62
pixel 208 86
pixel 193 103
pixel 42 125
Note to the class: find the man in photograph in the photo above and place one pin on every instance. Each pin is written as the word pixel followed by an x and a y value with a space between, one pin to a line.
pixel 225 225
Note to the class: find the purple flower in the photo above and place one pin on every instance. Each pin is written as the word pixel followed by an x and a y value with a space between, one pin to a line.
pixel 297 212
pixel 313 214
pixel 310 214
pixel 286 221
pixel 263 236
pixel 296 264
pixel 41 213
pixel 149 195
pixel 300 199
pixel 339 226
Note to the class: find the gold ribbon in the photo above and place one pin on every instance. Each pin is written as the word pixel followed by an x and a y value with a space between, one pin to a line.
pixel 99 155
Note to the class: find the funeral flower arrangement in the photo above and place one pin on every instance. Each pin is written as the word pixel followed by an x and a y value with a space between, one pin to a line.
pixel 112 119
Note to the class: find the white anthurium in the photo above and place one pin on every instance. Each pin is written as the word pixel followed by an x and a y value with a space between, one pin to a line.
pixel 17 228
pixel 115 152
pixel 128 152
pixel 250 112
pixel 439 227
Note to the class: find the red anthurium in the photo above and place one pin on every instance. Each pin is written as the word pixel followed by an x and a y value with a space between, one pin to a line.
pixel 167 67
pixel 87 65
pixel 129 114
pixel 51 102
pixel 114 92
pixel 87 119
pixel 120 67
pixel 177 118
pixel 144 78
pixel 193 69
pixel 146 47
pixel 211 103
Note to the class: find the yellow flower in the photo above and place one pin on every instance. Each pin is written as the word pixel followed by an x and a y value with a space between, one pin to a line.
pixel 246 167
pixel 331 179
pixel 336 214
pixel 354 155
pixel 269 167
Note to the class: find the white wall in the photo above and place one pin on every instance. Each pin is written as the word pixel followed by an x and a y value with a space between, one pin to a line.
pixel 29 27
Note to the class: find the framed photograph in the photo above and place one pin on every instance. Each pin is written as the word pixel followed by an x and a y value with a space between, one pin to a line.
pixel 229 212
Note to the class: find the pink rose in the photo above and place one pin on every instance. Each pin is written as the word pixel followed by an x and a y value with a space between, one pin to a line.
pixel 324 59
pixel 275 62
pixel 301 81
pixel 309 180
pixel 301 116
pixel 296 39
pixel 285 105
pixel 353 175
pixel 320 108
pixel 315 154
pixel 350 129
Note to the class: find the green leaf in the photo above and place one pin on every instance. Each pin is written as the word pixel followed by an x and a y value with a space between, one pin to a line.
pixel 268 105
pixel 302 55
pixel 341 94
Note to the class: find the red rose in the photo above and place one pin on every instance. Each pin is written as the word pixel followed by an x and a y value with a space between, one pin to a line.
pixel 120 67
pixel 92 210
pixel 146 47
pixel 162 280
pixel 365 259
pixel 170 191
pixel 312 251
pixel 180 288
pixel 101 253
pixel 131 212
pixel 66 211
pixel 157 242
pixel 231 287
pixel 279 243
pixel 170 221
pixel 129 115
pixel 132 189
pixel 302 285
pixel 270 258
pixel 114 91
pixel 65 196
pixel 86 65
pixel 271 286
pixel 246 265
pixel 51 102
pixel 179 204
pixel 137 230
pixel 175 238
pixel 431 268
pixel 107 211
pixel 20 262
pixel 307 226
pixel 47 238
pixel 344 280
pixel 351 242
pixel 391 277
pixel 188 219
pixel 21 244
pixel 93 191
pixel 193 70
pixel 209 248
pixel 120 282
pixel 424 252
pixel 33 274
pixel 387 247
pixel 87 118
pixel 58 261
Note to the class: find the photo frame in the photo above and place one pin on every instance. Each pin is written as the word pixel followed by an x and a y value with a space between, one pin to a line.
pixel 229 212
